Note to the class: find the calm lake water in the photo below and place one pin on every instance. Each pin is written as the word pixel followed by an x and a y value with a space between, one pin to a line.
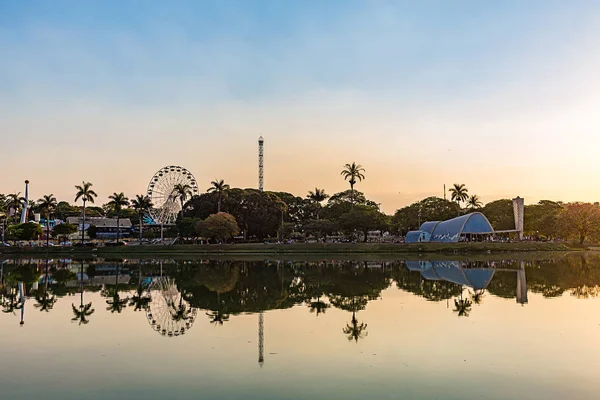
pixel 486 328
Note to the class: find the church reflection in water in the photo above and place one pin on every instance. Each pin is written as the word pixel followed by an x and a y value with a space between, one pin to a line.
pixel 174 295
pixel 474 275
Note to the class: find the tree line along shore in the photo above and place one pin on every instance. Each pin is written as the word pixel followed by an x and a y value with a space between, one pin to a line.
pixel 223 214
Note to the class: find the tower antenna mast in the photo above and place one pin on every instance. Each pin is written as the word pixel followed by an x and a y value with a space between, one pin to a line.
pixel 261 142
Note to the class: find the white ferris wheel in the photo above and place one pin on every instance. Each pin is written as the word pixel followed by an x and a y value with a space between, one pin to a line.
pixel 165 199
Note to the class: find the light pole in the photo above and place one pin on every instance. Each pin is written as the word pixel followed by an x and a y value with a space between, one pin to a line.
pixel 3 227
pixel 281 235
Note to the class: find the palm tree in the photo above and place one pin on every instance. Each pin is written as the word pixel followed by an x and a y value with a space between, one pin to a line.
pixel 14 201
pixel 117 202
pixel 142 205
pixel 220 187
pixel 85 193
pixel 459 194
pixel 352 173
pixel 47 204
pixel 182 191
pixel 355 330
pixel 317 197
pixel 474 202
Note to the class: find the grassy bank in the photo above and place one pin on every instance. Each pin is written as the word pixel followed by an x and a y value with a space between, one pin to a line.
pixel 292 249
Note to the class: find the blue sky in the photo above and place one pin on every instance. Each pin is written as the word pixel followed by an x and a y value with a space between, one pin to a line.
pixel 389 84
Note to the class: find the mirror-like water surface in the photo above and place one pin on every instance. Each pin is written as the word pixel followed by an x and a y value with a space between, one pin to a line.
pixel 279 329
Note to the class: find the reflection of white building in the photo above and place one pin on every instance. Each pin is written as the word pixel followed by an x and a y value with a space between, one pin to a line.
pixel 452 271
pixel 475 278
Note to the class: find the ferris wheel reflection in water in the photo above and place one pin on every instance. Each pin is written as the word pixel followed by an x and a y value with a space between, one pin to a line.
pixel 168 313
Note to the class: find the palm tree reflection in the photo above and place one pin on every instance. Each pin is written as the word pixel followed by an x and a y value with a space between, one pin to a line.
pixel 141 299
pixel 218 317
pixel 462 307
pixel 318 307
pixel 10 301
pixel 477 296
pixel 45 301
pixel 181 312
pixel 354 330
pixel 115 303
pixel 83 311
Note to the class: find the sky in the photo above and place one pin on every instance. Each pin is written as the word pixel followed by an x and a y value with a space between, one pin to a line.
pixel 501 96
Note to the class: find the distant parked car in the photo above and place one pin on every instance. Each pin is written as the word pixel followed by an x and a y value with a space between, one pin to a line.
pixel 66 244
pixel 87 244
pixel 113 243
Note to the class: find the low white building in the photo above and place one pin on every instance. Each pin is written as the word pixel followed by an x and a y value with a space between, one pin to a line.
pixel 106 228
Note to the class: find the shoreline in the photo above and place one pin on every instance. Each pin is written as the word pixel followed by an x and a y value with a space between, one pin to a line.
pixel 260 249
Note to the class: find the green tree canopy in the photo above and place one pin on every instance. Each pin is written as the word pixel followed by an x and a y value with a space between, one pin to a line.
pixel 580 221
pixel 543 218
pixel 500 214
pixel 364 219
pixel 64 229
pixel 26 231
pixel 220 226
pixel 429 209
pixel 186 226
pixel 262 213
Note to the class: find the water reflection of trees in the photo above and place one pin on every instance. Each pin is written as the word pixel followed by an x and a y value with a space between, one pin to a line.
pixel 578 275
pixel 433 290
pixel 82 312
pixel 223 289
pixel 115 302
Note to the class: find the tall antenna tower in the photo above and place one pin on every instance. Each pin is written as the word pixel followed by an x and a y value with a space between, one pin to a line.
pixel 261 142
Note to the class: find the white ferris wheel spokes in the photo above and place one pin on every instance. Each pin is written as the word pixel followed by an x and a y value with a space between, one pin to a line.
pixel 161 191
